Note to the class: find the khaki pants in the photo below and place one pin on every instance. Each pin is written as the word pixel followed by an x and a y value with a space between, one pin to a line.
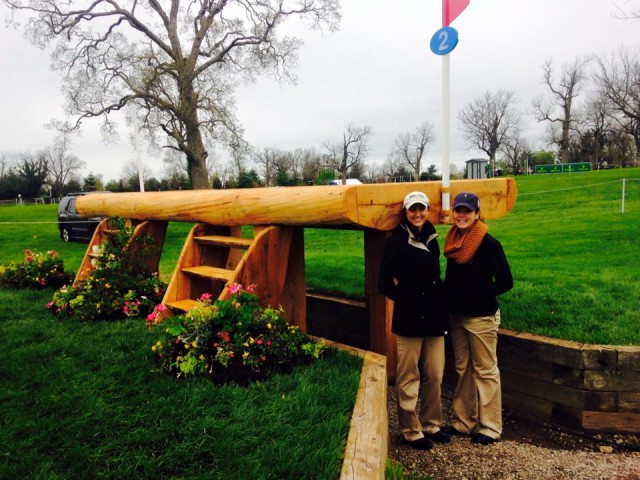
pixel 477 402
pixel 417 354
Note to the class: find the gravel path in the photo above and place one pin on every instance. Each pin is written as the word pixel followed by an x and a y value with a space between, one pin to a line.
pixel 527 451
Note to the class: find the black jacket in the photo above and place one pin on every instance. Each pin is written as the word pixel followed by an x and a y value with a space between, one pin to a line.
pixel 419 296
pixel 472 287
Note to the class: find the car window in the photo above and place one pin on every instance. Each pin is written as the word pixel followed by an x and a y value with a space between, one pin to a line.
pixel 71 208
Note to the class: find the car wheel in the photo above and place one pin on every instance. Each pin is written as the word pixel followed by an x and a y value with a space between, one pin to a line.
pixel 64 234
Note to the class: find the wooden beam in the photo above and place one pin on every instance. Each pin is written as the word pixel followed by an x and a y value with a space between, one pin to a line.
pixel 366 206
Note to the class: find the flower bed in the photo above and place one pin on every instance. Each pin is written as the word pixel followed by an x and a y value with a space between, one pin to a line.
pixel 230 340
pixel 119 286
pixel 39 270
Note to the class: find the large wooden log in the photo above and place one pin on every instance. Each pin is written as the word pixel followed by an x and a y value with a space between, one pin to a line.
pixel 370 206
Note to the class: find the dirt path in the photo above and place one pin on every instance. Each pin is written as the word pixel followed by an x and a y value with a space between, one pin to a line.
pixel 527 451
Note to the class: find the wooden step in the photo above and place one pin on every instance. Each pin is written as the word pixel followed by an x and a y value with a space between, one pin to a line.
pixel 210 272
pixel 225 241
pixel 184 305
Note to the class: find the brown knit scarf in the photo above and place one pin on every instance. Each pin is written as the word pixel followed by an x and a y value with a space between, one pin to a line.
pixel 460 246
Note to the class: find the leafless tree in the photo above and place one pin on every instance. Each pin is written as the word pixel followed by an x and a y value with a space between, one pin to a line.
pixel 177 62
pixel 393 166
pixel 265 161
pixel 489 121
pixel 410 147
pixel 618 81
pixel 514 150
pixel 373 172
pixel 559 110
pixel 4 164
pixel 62 167
pixel 352 150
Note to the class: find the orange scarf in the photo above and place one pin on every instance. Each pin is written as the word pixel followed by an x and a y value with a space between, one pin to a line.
pixel 460 246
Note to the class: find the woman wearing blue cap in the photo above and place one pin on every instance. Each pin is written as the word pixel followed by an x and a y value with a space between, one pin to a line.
pixel 410 276
pixel 477 272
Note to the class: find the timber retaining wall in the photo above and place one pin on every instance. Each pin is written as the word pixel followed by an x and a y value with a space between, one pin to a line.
pixel 590 388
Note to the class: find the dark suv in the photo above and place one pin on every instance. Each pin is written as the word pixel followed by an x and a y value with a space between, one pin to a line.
pixel 71 224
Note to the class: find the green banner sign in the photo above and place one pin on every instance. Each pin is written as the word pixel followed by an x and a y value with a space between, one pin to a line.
pixel 564 168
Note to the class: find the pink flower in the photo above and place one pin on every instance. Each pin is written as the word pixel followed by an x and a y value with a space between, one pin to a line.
pixel 251 288
pixel 259 342
pixel 235 288
pixel 224 336
pixel 204 297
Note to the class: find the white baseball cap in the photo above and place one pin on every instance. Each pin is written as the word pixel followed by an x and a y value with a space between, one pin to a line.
pixel 415 197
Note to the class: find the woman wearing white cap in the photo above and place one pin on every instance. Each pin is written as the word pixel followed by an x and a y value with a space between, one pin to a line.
pixel 477 272
pixel 410 276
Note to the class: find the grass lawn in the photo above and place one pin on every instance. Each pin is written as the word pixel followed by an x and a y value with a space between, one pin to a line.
pixel 84 401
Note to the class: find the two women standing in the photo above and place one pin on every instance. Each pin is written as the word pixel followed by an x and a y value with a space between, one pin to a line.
pixel 477 271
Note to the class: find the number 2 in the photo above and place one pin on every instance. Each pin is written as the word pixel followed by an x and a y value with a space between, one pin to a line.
pixel 443 37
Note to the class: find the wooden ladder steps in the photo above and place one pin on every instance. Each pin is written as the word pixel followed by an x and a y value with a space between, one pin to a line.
pixel 184 305
pixel 225 241
pixel 206 271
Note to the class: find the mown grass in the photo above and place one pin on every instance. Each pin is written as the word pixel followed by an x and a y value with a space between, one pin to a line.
pixel 84 401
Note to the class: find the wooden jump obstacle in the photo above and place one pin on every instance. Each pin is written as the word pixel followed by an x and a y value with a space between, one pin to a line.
pixel 215 254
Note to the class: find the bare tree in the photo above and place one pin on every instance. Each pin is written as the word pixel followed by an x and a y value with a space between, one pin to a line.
pixel 394 166
pixel 265 161
pixel 514 150
pixel 489 121
pixel 410 147
pixel 177 62
pixel 62 167
pixel 618 81
pixel 350 151
pixel 563 92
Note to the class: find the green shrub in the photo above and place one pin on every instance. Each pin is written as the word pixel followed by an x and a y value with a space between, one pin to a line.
pixel 119 286
pixel 39 270
pixel 230 340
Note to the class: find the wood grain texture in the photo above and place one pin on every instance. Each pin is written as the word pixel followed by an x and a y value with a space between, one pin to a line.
pixel 376 206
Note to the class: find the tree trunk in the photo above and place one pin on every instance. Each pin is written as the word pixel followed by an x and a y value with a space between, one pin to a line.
pixel 196 152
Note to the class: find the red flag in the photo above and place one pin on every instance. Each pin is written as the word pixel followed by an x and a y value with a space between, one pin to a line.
pixel 451 9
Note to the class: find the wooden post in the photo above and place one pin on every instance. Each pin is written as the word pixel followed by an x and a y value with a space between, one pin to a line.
pixel 380 337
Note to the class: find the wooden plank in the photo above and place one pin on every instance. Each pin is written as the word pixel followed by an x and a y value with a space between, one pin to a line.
pixel 341 320
pixel 527 406
pixel 561 352
pixel 206 271
pixel 184 305
pixel 223 241
pixel 367 445
pixel 629 402
pixel 370 206
pixel 375 302
pixel 294 298
pixel 629 358
pixel 611 422
pixel 524 366
pixel 559 394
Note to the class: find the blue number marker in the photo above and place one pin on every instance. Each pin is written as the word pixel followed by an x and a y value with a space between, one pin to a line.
pixel 444 40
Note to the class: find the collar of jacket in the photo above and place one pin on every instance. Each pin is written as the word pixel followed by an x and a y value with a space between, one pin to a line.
pixel 415 237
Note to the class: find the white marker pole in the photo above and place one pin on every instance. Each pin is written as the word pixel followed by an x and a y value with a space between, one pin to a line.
pixel 446 124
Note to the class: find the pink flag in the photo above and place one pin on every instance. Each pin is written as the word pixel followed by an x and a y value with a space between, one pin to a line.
pixel 451 9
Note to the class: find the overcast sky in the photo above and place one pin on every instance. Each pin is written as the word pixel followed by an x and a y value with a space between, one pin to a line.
pixel 377 70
